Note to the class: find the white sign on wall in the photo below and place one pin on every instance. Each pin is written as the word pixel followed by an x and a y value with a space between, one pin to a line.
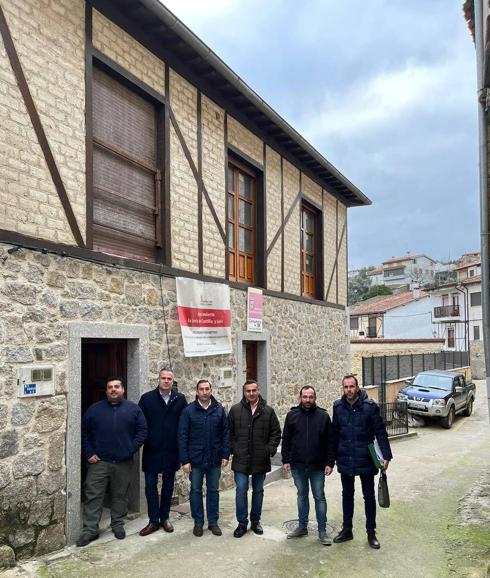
pixel 204 316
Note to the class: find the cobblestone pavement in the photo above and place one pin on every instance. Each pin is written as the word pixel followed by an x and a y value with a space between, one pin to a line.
pixel 438 525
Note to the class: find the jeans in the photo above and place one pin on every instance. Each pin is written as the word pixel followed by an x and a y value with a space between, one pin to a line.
pixel 99 476
pixel 241 481
pixel 212 494
pixel 316 478
pixel 159 509
pixel 367 483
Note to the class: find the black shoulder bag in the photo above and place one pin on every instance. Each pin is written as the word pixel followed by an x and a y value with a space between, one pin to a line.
pixel 383 492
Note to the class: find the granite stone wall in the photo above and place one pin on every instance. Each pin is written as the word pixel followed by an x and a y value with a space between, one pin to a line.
pixel 41 294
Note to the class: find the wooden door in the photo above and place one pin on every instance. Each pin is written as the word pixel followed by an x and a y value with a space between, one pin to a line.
pixel 101 358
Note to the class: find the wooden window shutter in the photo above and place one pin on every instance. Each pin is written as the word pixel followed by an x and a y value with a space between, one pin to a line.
pixel 126 182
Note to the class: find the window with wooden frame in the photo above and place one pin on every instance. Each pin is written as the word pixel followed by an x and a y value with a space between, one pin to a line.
pixel 311 251
pixel 242 223
pixel 127 206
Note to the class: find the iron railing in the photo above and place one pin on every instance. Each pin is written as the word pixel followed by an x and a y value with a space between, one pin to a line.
pixel 378 370
pixel 395 417
pixel 446 311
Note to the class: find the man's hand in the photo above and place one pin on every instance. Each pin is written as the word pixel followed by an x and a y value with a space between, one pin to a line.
pixel 328 470
pixel 187 468
pixel 224 463
pixel 93 459
pixel 286 468
pixel 386 463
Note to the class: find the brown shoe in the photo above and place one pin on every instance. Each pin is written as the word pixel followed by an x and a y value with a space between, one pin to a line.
pixel 149 529
pixel 215 530
pixel 167 526
pixel 197 531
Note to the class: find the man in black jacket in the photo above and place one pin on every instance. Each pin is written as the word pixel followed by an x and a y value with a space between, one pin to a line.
pixel 113 430
pixel 162 408
pixel 308 452
pixel 255 434
pixel 356 424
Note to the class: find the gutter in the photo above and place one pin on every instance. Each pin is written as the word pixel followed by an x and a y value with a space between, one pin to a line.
pixel 484 201
pixel 170 20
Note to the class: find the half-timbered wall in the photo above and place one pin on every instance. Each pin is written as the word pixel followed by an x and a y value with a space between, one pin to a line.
pixel 52 281
pixel 50 44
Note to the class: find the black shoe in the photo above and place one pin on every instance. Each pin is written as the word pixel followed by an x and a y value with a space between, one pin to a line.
pixel 215 530
pixel 197 531
pixel 84 540
pixel 119 533
pixel 373 541
pixel 344 535
pixel 257 528
pixel 240 531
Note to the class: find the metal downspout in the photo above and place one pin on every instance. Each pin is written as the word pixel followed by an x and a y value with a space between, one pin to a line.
pixel 484 204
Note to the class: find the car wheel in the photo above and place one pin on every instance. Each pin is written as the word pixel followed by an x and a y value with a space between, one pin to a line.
pixel 469 408
pixel 447 422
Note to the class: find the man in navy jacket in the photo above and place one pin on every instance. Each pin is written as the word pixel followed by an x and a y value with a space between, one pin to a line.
pixel 113 430
pixel 204 448
pixel 356 423
pixel 162 408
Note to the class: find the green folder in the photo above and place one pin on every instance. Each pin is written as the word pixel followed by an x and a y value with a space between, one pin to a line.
pixel 378 464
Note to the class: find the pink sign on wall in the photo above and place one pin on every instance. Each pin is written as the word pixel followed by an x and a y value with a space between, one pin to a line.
pixel 255 311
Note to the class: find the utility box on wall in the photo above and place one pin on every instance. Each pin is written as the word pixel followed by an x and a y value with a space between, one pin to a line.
pixel 35 380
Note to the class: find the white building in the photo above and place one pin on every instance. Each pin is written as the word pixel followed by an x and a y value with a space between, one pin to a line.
pixel 409 270
pixel 403 316
pixel 457 312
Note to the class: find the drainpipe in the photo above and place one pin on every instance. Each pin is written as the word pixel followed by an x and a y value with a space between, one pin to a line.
pixel 484 201
pixel 464 291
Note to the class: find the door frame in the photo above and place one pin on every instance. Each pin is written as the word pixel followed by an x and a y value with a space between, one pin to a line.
pixel 263 362
pixel 137 377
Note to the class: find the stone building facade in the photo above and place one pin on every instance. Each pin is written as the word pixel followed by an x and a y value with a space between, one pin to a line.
pixel 69 305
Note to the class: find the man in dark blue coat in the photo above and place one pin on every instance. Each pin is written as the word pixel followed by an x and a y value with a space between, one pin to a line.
pixel 113 430
pixel 162 408
pixel 204 448
pixel 356 424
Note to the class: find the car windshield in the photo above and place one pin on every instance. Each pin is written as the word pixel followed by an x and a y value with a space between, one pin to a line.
pixel 434 381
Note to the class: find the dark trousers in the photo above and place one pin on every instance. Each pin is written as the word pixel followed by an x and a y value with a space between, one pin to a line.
pixel 99 476
pixel 159 509
pixel 367 483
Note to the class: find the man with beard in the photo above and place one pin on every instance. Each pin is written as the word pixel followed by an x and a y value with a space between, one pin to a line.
pixel 356 424
pixel 113 430
pixel 308 452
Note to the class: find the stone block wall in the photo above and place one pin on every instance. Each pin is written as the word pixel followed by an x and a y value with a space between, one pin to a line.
pixel 43 294
pixel 50 42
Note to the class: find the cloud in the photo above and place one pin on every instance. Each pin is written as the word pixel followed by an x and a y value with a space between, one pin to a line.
pixel 386 99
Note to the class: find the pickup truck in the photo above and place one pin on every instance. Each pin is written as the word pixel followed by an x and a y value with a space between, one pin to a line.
pixel 439 394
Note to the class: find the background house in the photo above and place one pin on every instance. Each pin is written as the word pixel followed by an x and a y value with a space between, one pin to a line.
pixel 401 316
pixel 409 271
pixel 133 155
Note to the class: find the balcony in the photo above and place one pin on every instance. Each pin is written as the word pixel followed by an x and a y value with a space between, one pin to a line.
pixel 446 311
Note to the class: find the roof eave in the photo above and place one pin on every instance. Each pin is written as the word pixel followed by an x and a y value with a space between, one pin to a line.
pixel 355 196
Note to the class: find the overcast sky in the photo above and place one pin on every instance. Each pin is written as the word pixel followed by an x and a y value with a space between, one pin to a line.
pixel 385 90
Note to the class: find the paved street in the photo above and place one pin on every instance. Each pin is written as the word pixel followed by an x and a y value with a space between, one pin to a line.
pixel 438 525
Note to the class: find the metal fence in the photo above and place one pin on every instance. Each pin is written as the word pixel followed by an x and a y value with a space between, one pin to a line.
pixel 378 370
pixel 395 417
